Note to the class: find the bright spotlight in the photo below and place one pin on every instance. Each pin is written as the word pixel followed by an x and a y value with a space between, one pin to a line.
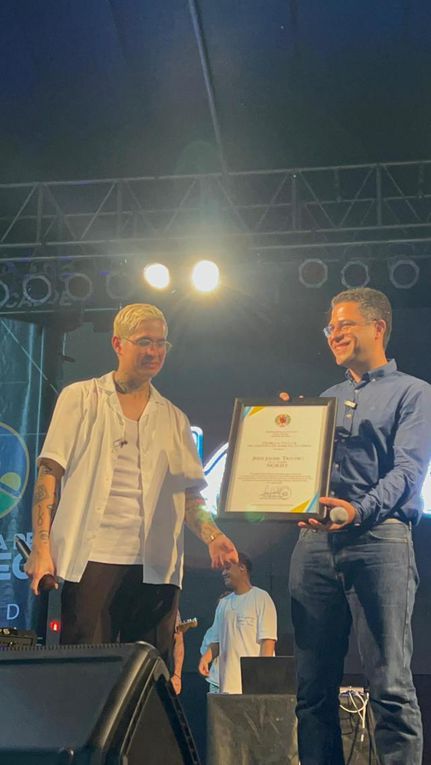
pixel 157 276
pixel 206 276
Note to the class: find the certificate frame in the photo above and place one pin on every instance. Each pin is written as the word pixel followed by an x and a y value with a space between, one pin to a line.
pixel 275 494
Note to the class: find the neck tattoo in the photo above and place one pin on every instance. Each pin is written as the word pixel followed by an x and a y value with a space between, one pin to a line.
pixel 129 386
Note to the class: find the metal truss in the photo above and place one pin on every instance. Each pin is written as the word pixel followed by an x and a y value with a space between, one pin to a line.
pixel 318 210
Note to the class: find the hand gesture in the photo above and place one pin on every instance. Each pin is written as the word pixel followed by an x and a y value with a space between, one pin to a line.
pixel 221 551
pixel 327 524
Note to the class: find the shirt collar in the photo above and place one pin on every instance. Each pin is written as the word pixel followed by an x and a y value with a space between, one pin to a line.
pixel 386 369
pixel 106 383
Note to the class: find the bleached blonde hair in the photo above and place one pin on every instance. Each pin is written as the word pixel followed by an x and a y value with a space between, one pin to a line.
pixel 128 319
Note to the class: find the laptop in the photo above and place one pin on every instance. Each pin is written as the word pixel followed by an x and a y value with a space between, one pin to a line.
pixel 268 674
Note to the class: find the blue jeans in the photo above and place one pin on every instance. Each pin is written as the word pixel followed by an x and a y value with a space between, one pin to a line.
pixel 370 578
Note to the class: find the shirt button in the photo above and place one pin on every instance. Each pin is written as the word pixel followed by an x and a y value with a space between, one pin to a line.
pixel 337 465
pixel 349 416
pixel 332 493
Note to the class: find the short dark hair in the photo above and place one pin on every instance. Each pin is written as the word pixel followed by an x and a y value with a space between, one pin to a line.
pixel 373 304
pixel 245 561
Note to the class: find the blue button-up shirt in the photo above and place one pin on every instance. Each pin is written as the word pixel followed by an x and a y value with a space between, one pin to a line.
pixel 382 443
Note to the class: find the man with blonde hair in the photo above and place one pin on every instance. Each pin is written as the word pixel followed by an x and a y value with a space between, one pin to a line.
pixel 118 477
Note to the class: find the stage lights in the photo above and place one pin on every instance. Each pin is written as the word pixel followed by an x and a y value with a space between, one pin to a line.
pixel 104 282
pixel 205 276
pixel 355 273
pixel 403 273
pixel 78 286
pixel 4 293
pixel 313 273
pixel 37 288
pixel 157 276
pixel 120 285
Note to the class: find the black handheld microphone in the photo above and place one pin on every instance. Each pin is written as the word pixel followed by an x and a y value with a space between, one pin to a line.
pixel 338 514
pixel 48 581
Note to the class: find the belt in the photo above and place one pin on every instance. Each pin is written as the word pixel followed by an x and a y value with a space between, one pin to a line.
pixel 394 520
pixel 397 520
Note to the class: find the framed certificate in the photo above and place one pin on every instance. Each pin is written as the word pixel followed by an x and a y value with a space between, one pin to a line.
pixel 279 459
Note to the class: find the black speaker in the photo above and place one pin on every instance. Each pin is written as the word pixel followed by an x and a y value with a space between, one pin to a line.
pixel 257 729
pixel 91 705
pixel 13 638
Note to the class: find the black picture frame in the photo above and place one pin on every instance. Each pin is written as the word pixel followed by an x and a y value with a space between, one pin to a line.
pixel 278 494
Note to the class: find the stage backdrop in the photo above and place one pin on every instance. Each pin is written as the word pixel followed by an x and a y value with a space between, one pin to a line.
pixel 217 355
pixel 25 396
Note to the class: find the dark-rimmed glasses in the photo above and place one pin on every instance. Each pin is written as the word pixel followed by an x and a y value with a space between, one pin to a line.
pixel 344 327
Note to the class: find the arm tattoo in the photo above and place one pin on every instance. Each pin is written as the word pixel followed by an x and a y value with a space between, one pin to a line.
pixel 40 493
pixel 198 519
pixel 44 502
pixel 46 470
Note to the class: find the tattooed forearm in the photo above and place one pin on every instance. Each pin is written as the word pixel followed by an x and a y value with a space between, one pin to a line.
pixel 46 470
pixel 45 501
pixel 199 520
pixel 40 493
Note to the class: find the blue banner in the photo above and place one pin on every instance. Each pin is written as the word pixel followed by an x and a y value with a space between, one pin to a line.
pixel 22 403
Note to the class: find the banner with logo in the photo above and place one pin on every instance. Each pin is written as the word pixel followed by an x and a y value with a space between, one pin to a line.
pixel 23 386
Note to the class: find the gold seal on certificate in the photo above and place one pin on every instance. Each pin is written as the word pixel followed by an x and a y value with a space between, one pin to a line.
pixel 279 458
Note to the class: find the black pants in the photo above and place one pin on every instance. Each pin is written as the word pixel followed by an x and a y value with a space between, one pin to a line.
pixel 111 603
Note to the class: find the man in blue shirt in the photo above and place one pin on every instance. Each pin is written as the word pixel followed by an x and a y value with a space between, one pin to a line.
pixel 363 569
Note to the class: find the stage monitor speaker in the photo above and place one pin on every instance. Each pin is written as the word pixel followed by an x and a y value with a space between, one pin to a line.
pixel 13 638
pixel 91 705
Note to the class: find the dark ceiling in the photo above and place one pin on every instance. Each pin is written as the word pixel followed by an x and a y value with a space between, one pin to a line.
pixel 97 88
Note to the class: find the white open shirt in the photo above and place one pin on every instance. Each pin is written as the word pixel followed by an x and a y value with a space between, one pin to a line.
pixel 84 437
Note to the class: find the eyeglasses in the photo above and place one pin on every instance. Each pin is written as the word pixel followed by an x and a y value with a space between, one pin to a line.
pixel 147 342
pixel 344 327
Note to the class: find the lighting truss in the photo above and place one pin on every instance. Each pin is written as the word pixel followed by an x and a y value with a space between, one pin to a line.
pixel 92 238
pixel 310 209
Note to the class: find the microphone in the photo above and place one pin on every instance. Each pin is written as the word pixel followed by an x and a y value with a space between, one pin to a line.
pixel 338 514
pixel 120 442
pixel 48 581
